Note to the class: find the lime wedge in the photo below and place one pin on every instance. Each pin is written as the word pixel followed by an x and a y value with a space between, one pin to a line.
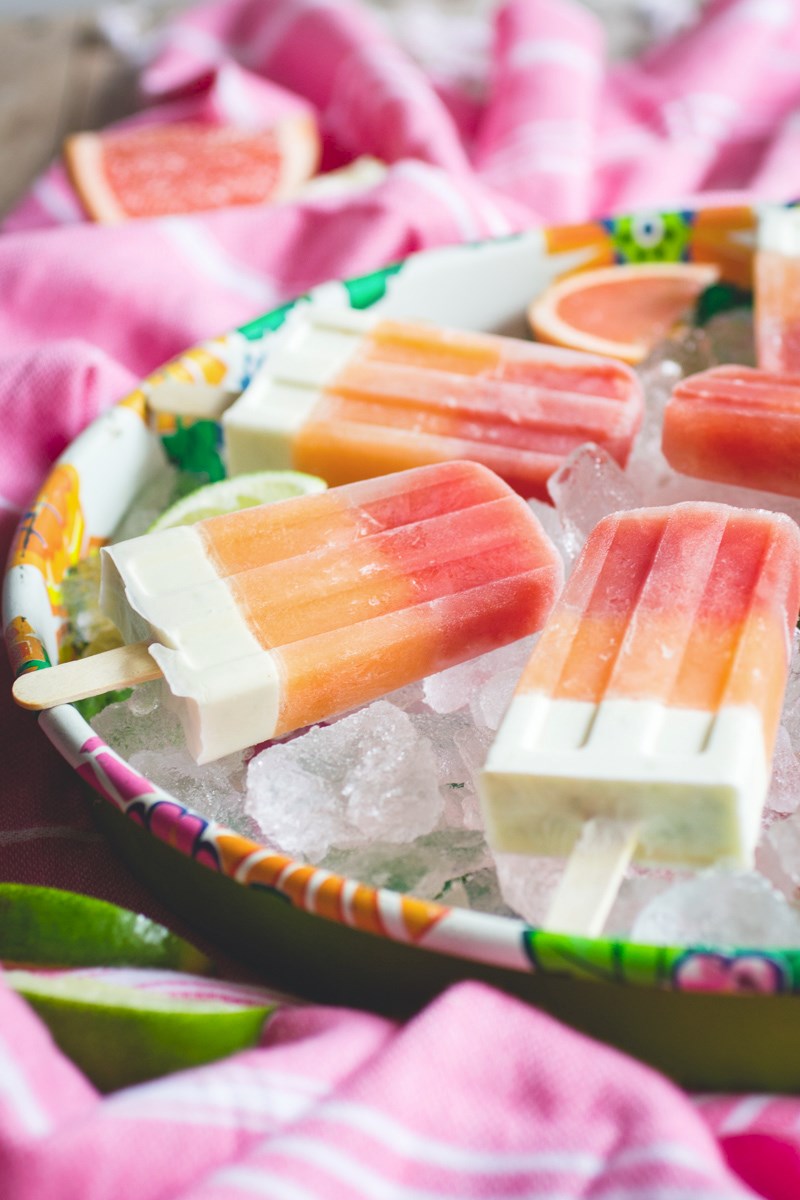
pixel 121 1035
pixel 240 491
pixel 54 928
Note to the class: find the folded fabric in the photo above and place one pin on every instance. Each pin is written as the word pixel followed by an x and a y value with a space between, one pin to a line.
pixel 479 1095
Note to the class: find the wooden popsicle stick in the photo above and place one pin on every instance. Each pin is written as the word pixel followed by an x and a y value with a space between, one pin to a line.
pixel 122 667
pixel 592 876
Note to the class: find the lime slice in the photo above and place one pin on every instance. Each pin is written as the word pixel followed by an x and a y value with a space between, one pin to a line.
pixel 55 928
pixel 121 1035
pixel 240 491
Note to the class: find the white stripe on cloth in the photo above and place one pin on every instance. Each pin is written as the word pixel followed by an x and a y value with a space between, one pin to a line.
pixel 16 1095
pixel 250 1179
pixel 197 43
pixel 497 224
pixel 535 52
pixel 744 1114
pixel 363 1180
pixel 763 12
pixel 398 1137
pixel 443 189
pixel 706 115
pixel 249 1097
pixel 206 256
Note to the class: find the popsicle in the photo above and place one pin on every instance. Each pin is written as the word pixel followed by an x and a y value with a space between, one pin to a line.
pixel 347 394
pixel 653 695
pixel 275 617
pixel 736 425
pixel 777 290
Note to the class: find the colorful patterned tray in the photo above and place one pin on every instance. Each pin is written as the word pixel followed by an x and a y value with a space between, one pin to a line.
pixel 695 1012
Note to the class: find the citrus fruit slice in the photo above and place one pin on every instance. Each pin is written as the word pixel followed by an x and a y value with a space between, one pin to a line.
pixel 55 928
pixel 621 311
pixel 119 1034
pixel 240 491
pixel 164 170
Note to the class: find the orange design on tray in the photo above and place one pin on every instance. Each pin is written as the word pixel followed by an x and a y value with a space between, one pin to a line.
pixel 724 237
pixel 25 649
pixel 52 536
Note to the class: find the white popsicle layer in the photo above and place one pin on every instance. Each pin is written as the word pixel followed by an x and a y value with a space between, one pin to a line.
pixel 224 687
pixel 305 355
pixel 693 781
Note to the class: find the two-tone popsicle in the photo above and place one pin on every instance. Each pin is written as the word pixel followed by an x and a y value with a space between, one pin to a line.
pixel 348 395
pixel 272 618
pixel 654 693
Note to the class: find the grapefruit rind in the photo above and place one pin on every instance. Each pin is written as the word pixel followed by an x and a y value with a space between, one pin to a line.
pixel 549 327
pixel 297 146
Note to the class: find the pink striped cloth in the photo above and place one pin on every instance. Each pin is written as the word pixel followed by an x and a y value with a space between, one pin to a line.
pixel 479 1095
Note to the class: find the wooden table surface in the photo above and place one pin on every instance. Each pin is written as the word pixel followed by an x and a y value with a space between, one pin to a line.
pixel 58 74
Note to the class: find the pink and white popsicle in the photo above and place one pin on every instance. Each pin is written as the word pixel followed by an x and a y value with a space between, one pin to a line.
pixel 654 692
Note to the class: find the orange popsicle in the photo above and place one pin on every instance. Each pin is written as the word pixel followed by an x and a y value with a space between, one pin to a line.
pixel 348 395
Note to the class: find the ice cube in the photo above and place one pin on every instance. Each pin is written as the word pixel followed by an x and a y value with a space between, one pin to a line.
pixel 528 884
pixel 731 337
pixel 369 777
pixel 725 909
pixel 784 788
pixel 488 706
pixel 588 486
pixel 453 689
pixel 480 891
pixel 214 790
pixel 638 888
pixel 422 868
pixel 149 737
pixel 143 722
pixel 784 836
pixel 549 519
pixel 689 351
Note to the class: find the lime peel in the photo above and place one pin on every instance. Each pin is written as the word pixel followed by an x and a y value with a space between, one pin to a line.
pixel 235 493
pixel 56 928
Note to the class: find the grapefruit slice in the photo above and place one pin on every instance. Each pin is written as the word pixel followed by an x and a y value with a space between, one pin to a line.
pixel 621 311
pixel 165 170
